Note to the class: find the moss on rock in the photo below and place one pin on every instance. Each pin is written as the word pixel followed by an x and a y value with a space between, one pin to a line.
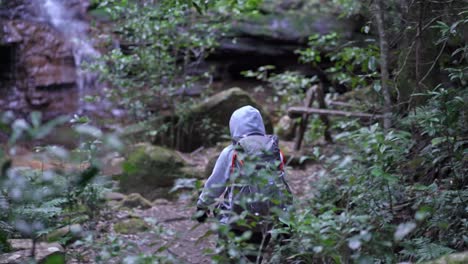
pixel 149 168
pixel 131 226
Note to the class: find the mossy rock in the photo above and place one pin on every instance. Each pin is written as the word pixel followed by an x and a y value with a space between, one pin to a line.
pixel 150 167
pixel 131 226
pixel 208 122
pixel 285 128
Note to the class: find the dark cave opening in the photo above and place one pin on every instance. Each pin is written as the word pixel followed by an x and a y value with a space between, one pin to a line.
pixel 8 63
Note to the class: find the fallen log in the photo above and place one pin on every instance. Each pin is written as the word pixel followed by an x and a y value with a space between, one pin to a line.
pixel 297 111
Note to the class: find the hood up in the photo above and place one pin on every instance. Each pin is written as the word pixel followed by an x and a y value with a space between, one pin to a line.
pixel 246 121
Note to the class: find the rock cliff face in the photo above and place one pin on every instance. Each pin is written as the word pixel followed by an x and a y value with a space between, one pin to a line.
pixel 272 36
pixel 38 69
pixel 40 53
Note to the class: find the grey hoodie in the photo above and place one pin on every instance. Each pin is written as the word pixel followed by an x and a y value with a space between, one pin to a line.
pixel 245 121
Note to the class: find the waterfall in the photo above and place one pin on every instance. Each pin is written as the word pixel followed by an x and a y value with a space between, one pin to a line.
pixel 74 31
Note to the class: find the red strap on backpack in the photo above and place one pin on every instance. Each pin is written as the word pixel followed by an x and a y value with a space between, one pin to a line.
pixel 281 166
pixel 233 162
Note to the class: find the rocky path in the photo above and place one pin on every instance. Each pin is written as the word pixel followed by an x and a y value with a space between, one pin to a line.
pixel 141 228
pixel 170 232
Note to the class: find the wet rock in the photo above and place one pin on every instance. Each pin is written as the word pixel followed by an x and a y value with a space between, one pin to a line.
pixel 135 200
pixel 43 53
pixel 285 129
pixel 38 40
pixel 149 168
pixel 131 226
pixel 45 252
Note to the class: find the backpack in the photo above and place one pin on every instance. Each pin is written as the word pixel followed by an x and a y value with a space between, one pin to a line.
pixel 258 187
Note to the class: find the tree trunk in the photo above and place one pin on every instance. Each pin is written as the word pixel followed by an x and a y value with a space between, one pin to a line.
pixel 385 76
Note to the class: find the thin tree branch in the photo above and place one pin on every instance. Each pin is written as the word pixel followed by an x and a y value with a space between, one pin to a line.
pixel 434 63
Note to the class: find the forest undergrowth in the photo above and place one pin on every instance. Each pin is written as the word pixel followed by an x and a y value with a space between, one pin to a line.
pixel 391 190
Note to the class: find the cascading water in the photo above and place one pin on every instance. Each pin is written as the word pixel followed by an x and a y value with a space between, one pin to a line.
pixel 74 31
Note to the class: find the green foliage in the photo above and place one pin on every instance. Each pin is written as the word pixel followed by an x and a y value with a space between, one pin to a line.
pixel 315 130
pixel 289 87
pixel 161 43
pixel 353 64
pixel 4 246
pixel 371 209
pixel 36 201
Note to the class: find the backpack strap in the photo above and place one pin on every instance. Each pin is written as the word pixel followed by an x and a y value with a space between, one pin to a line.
pixel 233 161
pixel 281 166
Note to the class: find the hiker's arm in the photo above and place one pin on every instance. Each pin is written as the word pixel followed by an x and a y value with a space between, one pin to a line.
pixel 216 183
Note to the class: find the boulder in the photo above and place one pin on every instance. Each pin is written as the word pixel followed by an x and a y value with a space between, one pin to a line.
pixel 207 122
pixel 149 168
pixel 131 226
pixel 45 252
pixel 285 128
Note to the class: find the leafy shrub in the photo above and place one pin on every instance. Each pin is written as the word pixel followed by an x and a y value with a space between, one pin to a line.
pixel 391 196
pixel 37 201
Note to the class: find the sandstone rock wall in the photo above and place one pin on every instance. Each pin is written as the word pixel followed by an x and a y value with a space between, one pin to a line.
pixel 38 69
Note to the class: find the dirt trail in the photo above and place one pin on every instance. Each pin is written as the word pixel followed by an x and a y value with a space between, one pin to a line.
pixel 184 238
